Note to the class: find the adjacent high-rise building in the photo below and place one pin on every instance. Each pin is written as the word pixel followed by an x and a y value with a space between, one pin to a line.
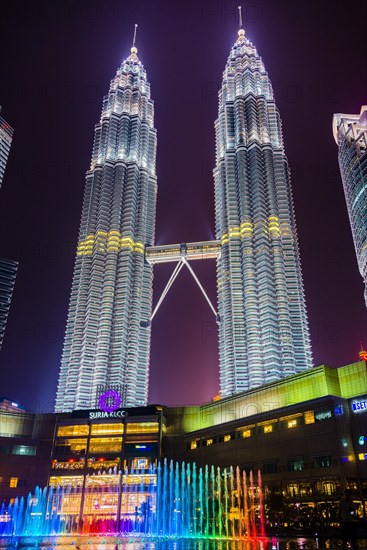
pixel 6 136
pixel 8 271
pixel 350 133
pixel 8 268
pixel 263 327
pixel 107 341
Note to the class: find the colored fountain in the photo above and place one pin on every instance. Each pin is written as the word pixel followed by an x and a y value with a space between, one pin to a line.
pixel 169 500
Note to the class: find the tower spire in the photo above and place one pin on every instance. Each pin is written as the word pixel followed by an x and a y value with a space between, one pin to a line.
pixel 241 32
pixel 134 49
pixel 241 226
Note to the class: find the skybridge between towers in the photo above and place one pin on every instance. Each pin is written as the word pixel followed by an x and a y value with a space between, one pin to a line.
pixel 204 250
pixel 182 254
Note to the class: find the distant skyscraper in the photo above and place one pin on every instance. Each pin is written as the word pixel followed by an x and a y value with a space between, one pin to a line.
pixel 8 268
pixel 6 136
pixel 350 133
pixel 107 341
pixel 8 271
pixel 263 327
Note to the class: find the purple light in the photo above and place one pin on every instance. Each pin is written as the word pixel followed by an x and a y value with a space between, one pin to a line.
pixel 109 401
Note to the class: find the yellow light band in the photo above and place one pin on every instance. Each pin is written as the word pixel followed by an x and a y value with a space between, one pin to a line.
pixel 111 241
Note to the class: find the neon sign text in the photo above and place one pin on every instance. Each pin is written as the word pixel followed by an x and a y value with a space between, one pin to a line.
pixel 359 405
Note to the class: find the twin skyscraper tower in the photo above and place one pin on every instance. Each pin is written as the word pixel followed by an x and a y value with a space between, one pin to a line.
pixel 262 318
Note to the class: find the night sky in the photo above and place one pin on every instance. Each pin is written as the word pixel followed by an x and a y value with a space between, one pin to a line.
pixel 56 61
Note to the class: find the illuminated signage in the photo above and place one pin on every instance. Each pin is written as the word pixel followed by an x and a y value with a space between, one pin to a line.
pixel 363 355
pixel 324 415
pixel 93 415
pixel 109 401
pixel 359 405
pixel 118 413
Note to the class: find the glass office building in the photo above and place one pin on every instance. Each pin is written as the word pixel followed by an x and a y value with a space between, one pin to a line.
pixel 107 339
pixel 263 327
pixel 350 133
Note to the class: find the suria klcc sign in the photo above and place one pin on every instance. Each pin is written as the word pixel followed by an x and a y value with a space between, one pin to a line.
pixel 109 404
pixel 94 415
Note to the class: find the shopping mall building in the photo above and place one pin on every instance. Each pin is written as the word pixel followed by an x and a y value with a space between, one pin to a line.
pixel 307 435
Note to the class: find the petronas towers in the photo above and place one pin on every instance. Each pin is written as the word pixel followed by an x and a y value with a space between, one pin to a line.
pixel 107 339
pixel 263 329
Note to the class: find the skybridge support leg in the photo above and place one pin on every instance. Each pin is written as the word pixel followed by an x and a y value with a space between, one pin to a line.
pixel 199 285
pixel 171 280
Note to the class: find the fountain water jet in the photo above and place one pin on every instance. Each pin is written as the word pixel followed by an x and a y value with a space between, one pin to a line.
pixel 168 500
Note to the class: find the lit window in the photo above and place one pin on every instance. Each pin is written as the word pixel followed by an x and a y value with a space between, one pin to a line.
pixel 305 489
pixel 296 465
pixel 66 431
pixel 292 489
pixel 209 442
pixel 104 429
pixel 292 423
pixel 329 487
pixel 246 433
pixel 309 417
pixel 141 464
pixel 323 461
pixel 73 481
pixel 227 437
pixel 142 427
pixel 105 445
pixel 324 415
pixel 352 485
pixel 193 445
pixel 268 429
pixel 77 446
pixel 13 482
pixel 362 456
pixel 24 450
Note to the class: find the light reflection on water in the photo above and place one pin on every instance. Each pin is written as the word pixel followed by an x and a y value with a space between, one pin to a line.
pixel 116 543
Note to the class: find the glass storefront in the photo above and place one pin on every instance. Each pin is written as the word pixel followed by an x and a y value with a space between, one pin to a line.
pixel 70 447
pixel 75 430
pixel 142 427
pixel 105 445
pixel 106 429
